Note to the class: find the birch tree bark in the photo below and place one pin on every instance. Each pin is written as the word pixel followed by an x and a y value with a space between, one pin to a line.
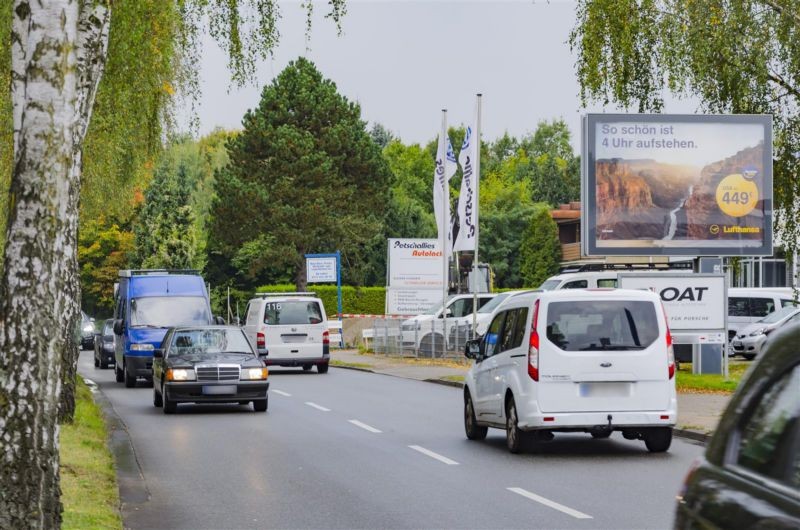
pixel 32 289
pixel 91 52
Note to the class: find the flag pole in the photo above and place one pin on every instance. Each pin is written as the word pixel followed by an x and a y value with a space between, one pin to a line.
pixel 477 218
pixel 444 231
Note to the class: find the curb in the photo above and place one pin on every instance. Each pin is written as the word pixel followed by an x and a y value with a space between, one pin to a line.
pixel 688 434
pixel 130 479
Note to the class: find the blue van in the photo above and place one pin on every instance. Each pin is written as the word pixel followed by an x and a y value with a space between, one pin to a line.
pixel 147 303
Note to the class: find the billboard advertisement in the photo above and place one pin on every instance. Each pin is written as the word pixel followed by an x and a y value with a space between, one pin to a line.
pixel 659 184
pixel 414 275
pixel 321 270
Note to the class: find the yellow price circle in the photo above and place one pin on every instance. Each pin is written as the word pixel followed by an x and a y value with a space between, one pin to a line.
pixel 737 196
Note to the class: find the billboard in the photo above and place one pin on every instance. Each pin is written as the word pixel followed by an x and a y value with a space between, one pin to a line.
pixel 414 275
pixel 660 184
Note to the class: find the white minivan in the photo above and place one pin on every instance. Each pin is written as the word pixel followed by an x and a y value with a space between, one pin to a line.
pixel 593 361
pixel 289 329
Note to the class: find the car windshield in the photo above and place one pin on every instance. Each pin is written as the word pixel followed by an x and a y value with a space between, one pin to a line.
pixel 292 313
pixel 209 342
pixel 778 315
pixel 549 285
pixel 494 302
pixel 602 325
pixel 169 311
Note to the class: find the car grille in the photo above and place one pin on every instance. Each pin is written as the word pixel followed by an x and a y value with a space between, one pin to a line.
pixel 218 373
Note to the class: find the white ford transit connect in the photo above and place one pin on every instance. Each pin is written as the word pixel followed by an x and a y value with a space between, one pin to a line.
pixel 593 361
pixel 289 329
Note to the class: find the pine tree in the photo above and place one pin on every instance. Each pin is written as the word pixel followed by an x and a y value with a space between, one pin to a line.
pixel 540 250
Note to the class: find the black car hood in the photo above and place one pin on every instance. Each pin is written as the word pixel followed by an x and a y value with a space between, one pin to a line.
pixel 213 358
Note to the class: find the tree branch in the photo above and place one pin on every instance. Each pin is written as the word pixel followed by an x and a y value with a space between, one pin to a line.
pixel 779 9
pixel 777 79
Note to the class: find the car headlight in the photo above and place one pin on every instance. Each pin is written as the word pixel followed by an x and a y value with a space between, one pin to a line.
pixel 758 332
pixel 254 374
pixel 88 328
pixel 142 347
pixel 181 374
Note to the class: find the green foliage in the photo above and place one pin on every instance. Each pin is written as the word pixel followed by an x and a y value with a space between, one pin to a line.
pixel 165 231
pixel 540 251
pixel 737 57
pixel 304 176
pixel 355 300
pixel 103 249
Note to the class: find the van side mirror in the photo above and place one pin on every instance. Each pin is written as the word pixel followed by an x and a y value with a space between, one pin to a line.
pixel 473 349
pixel 218 320
pixel 158 353
pixel 119 326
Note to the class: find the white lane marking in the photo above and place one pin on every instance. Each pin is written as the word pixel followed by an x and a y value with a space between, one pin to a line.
pixel 550 504
pixel 431 454
pixel 318 407
pixel 281 393
pixel 365 426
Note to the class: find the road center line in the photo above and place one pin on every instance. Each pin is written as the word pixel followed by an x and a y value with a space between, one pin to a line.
pixel 282 393
pixel 433 455
pixel 365 426
pixel 318 407
pixel 550 504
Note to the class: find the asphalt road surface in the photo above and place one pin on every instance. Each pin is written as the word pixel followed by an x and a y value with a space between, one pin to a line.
pixel 357 450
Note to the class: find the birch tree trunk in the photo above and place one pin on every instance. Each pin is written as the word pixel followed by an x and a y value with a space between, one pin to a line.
pixel 91 52
pixel 32 290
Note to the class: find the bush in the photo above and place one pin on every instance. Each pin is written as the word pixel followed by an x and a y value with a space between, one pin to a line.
pixel 358 300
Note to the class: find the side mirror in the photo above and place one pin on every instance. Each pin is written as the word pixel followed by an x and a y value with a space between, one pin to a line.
pixel 263 354
pixel 473 349
pixel 119 326
pixel 158 353
pixel 449 313
pixel 218 320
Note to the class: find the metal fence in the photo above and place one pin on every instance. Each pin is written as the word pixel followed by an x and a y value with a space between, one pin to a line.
pixel 417 339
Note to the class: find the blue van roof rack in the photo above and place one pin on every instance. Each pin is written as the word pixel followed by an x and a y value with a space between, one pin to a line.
pixel 287 294
pixel 127 273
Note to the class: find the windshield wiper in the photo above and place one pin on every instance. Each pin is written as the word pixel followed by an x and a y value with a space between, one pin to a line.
pixel 611 347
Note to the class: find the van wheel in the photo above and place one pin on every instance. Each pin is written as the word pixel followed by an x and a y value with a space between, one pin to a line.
pixel 130 380
pixel 118 375
pixel 157 401
pixel 513 434
pixel 471 427
pixel 261 405
pixel 322 368
pixel 658 439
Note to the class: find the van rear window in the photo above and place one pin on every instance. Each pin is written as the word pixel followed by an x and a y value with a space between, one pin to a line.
pixel 292 313
pixel 602 325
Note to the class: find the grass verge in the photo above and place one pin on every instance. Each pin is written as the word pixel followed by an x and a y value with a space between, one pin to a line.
pixel 345 364
pixel 686 381
pixel 89 489
pixel 448 363
pixel 453 378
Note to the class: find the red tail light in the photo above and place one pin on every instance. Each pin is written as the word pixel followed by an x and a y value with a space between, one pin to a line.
pixel 670 349
pixel 326 337
pixel 261 341
pixel 533 348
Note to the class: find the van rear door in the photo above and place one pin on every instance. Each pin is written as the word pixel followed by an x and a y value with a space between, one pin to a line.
pixel 293 328
pixel 603 354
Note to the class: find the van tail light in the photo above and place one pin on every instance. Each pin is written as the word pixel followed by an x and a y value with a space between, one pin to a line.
pixel 326 337
pixel 533 348
pixel 670 349
pixel 261 341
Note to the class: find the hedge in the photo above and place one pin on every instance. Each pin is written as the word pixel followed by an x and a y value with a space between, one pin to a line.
pixel 358 300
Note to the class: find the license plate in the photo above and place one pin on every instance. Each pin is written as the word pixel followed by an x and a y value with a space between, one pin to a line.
pixel 737 344
pixel 219 390
pixel 604 389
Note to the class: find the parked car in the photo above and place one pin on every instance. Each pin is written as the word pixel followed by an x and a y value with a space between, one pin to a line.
pixel 208 364
pixel 484 314
pixel 289 329
pixel 749 305
pixel 148 303
pixel 593 361
pixel 104 345
pixel 749 476
pixel 750 340
pixel 424 332
pixel 87 332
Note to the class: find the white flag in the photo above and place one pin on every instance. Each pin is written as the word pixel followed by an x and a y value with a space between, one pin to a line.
pixel 446 167
pixel 467 200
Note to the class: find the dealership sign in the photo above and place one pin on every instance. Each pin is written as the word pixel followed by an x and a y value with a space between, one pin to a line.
pixel 321 270
pixel 659 184
pixel 696 304
pixel 414 275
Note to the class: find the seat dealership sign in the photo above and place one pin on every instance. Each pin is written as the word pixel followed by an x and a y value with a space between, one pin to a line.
pixel 414 275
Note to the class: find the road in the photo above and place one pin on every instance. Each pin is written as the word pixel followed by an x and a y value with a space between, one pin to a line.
pixel 357 450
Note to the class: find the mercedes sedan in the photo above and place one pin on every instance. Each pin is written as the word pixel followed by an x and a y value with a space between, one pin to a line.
pixel 208 364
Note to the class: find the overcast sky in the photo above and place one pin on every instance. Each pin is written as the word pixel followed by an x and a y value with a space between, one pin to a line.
pixel 404 61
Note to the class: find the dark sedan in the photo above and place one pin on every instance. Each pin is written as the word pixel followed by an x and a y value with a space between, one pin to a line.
pixel 750 474
pixel 208 364
pixel 104 345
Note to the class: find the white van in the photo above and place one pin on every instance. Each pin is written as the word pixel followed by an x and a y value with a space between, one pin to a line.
pixel 593 361
pixel 749 305
pixel 289 329
pixel 580 280
pixel 423 332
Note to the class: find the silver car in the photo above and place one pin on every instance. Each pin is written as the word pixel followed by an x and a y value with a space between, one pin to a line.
pixel 750 340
